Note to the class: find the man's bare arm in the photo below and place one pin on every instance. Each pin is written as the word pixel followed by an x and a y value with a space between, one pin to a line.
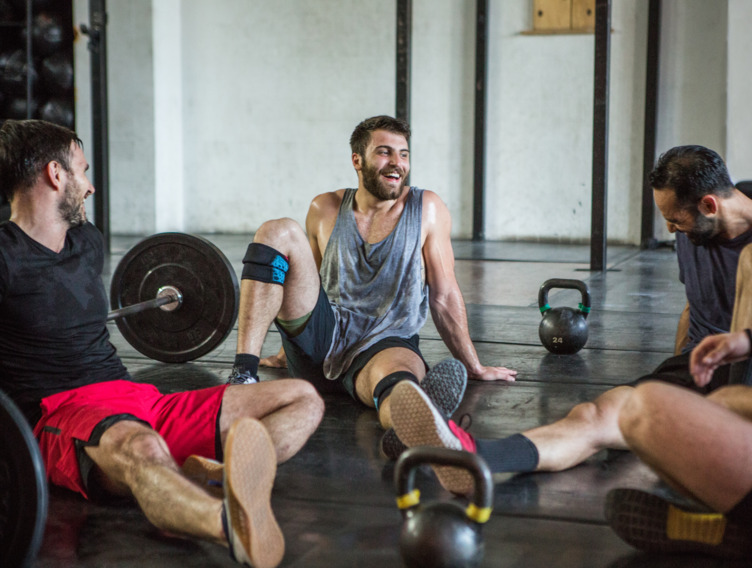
pixel 445 298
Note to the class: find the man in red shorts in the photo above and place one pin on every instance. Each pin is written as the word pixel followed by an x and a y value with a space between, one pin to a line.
pixel 99 432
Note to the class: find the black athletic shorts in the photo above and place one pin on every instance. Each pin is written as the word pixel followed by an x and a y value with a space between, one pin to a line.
pixel 675 370
pixel 307 350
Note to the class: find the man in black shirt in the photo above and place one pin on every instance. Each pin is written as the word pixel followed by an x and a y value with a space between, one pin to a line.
pixel 98 431
pixel 713 222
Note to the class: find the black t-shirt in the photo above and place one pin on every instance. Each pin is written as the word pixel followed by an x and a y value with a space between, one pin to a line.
pixel 709 277
pixel 53 311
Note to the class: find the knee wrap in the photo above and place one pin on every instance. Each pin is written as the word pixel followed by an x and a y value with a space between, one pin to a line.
pixel 265 264
pixel 385 385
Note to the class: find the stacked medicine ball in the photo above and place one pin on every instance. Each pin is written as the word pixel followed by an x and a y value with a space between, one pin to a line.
pixel 38 84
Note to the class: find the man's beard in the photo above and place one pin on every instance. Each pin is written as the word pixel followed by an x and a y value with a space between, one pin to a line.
pixel 704 230
pixel 71 208
pixel 376 187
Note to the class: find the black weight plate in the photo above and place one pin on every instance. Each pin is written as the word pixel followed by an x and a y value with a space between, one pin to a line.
pixel 204 277
pixel 23 488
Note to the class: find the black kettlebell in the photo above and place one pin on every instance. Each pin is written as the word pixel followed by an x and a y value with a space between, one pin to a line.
pixel 443 534
pixel 563 330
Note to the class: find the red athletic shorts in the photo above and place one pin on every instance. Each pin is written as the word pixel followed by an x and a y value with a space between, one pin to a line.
pixel 186 420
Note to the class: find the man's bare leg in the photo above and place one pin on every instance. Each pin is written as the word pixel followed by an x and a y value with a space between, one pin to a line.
pixel 261 302
pixel 290 409
pixel 588 428
pixel 133 460
pixel 382 364
pixel 693 443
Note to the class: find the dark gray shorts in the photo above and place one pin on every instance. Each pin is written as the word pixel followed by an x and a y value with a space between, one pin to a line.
pixel 306 351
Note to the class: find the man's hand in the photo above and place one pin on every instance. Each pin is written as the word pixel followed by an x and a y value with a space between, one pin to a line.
pixel 278 361
pixel 717 350
pixel 492 374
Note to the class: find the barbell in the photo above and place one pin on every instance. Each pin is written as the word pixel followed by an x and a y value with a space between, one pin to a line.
pixel 174 297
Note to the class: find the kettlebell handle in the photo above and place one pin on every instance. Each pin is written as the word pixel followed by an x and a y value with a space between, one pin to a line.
pixel 564 283
pixel 408 497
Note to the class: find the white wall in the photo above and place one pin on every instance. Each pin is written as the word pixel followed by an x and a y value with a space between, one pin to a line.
pixel 739 102
pixel 270 91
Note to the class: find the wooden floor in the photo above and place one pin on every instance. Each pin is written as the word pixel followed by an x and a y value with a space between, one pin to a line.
pixel 335 499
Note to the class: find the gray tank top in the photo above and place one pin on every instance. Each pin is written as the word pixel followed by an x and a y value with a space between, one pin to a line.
pixel 375 290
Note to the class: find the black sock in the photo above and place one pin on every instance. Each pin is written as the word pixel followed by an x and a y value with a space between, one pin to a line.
pixel 515 453
pixel 246 362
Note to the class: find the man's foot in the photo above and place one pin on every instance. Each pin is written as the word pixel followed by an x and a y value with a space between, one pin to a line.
pixel 206 473
pixel 241 377
pixel 253 534
pixel 654 524
pixel 418 422
pixel 445 385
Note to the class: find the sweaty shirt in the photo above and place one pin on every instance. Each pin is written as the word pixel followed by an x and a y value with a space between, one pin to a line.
pixel 376 290
pixel 53 310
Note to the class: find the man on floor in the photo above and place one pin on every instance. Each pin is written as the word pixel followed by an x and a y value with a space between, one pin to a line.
pixel 100 433
pixel 713 222
pixel 700 446
pixel 351 292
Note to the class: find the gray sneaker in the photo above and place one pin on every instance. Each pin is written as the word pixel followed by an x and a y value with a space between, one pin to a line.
pixel 445 385
pixel 238 377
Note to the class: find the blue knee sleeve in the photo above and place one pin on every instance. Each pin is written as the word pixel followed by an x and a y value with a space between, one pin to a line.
pixel 264 264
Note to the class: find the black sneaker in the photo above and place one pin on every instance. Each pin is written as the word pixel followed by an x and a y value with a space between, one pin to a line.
pixel 240 377
pixel 445 385
pixel 654 524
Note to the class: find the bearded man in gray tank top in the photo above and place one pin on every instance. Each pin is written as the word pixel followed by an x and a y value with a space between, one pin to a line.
pixel 351 292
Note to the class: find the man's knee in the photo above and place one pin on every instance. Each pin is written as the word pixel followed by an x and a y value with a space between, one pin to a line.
pixel 131 441
pixel 280 234
pixel 603 411
pixel 636 412
pixel 308 394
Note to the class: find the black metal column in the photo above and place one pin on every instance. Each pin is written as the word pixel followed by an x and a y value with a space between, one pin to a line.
pixel 481 100
pixel 404 41
pixel 647 232
pixel 97 32
pixel 600 134
pixel 29 60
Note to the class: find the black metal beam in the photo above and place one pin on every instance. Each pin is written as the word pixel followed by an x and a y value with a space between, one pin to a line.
pixel 600 134
pixel 404 41
pixel 97 32
pixel 647 232
pixel 29 61
pixel 481 100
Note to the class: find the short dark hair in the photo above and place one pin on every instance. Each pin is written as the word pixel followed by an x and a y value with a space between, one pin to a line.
pixel 361 136
pixel 26 147
pixel 691 172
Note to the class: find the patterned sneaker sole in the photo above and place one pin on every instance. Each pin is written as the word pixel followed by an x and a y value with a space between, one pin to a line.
pixel 206 473
pixel 250 467
pixel 652 524
pixel 418 423
pixel 445 385
pixel 391 447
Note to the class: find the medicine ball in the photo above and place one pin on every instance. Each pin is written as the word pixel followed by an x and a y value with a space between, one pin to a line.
pixel 59 111
pixel 15 72
pixel 16 108
pixel 47 35
pixel 56 73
